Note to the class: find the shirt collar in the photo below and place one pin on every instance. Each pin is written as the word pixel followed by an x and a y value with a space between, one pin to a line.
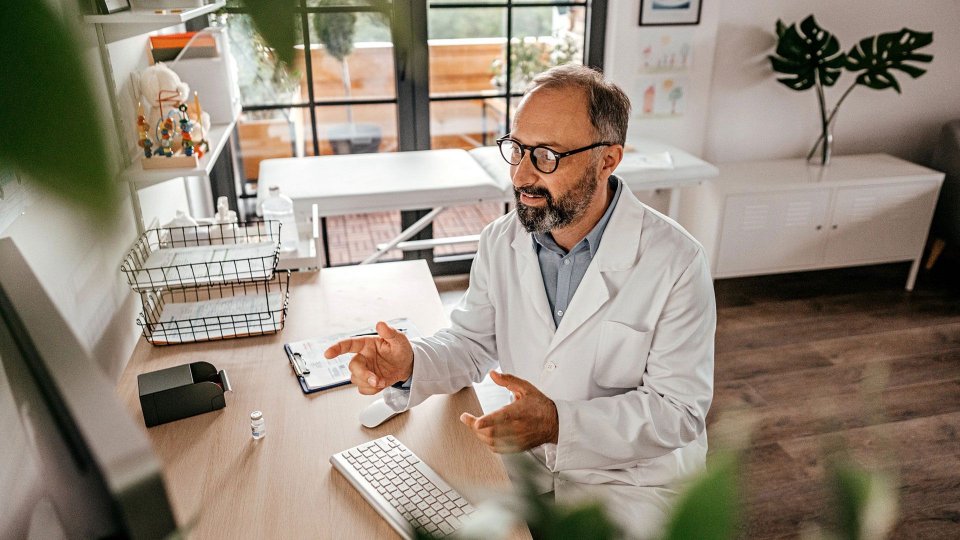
pixel 592 239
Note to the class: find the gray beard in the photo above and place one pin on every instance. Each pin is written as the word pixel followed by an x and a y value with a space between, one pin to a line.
pixel 557 213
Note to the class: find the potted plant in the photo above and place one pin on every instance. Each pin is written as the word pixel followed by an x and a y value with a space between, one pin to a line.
pixel 336 31
pixel 810 57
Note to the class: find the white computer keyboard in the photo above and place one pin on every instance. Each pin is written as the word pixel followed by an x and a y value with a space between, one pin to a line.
pixel 402 488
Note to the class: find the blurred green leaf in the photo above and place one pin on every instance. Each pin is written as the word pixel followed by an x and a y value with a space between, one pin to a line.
pixel 589 522
pixel 710 507
pixel 877 55
pixel 805 54
pixel 276 21
pixel 55 135
pixel 865 502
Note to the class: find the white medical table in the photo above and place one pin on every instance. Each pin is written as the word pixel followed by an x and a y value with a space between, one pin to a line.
pixel 439 179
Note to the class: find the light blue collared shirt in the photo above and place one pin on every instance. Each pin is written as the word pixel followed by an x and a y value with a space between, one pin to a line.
pixel 563 271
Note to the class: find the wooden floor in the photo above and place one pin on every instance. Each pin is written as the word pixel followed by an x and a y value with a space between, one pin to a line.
pixel 795 351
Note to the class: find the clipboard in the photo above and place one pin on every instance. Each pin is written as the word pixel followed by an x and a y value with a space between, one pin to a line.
pixel 315 372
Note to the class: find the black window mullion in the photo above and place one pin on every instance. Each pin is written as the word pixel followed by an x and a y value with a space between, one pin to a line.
pixel 595 28
pixel 412 73
pixel 312 98
pixel 509 82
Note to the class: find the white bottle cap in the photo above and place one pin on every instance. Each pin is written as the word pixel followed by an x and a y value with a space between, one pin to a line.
pixel 256 415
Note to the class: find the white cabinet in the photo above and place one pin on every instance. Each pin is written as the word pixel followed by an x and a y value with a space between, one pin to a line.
pixel 786 223
pixel 779 216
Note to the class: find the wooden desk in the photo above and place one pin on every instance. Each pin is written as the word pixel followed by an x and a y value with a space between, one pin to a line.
pixel 283 485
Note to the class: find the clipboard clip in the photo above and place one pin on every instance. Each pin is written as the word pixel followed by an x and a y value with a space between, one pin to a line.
pixel 296 361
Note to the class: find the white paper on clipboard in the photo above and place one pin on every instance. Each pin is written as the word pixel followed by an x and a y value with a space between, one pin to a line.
pixel 320 373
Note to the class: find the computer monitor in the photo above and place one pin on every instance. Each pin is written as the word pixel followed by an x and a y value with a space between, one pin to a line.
pixel 73 464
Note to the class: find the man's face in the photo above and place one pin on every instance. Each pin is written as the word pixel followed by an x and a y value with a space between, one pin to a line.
pixel 559 120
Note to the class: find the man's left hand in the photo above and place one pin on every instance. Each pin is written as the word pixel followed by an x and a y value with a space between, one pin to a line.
pixel 531 420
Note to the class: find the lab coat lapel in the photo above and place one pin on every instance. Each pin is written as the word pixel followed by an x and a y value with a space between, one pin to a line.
pixel 531 280
pixel 618 251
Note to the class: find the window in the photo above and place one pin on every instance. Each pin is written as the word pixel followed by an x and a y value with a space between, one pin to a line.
pixel 344 93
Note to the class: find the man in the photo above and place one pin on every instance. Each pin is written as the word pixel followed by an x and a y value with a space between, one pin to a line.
pixel 599 310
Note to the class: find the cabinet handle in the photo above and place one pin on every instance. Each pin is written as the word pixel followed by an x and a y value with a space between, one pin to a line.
pixel 834 227
pixel 819 227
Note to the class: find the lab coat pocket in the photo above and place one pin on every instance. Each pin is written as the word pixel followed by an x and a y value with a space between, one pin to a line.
pixel 621 355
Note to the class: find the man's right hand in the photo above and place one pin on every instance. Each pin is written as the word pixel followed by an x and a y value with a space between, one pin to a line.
pixel 380 361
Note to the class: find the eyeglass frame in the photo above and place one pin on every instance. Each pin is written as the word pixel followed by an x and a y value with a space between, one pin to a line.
pixel 533 160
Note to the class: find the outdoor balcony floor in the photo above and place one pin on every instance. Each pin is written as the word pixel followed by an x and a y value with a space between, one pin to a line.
pixel 353 237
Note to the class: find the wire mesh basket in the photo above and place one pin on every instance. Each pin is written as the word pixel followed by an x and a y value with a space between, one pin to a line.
pixel 171 257
pixel 215 312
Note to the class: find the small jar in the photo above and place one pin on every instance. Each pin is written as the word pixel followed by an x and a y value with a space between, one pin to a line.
pixel 258 427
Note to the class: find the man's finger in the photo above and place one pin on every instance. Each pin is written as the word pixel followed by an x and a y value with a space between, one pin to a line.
pixel 468 420
pixel 359 372
pixel 511 382
pixel 497 417
pixel 386 331
pixel 349 345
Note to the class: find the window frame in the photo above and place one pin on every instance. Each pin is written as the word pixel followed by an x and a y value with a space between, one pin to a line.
pixel 408 21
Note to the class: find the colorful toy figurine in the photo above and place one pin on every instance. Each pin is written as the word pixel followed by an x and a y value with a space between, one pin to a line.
pixel 186 126
pixel 165 136
pixel 143 139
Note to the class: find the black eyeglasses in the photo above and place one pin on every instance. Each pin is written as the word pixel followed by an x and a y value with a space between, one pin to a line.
pixel 545 159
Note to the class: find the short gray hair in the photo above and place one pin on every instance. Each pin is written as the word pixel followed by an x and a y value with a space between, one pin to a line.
pixel 609 106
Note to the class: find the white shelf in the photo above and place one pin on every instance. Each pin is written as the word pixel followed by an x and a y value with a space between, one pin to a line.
pixel 151 16
pixel 218 136
pixel 309 254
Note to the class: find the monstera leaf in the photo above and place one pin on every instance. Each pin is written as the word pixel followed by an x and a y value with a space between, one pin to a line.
pixel 877 55
pixel 806 54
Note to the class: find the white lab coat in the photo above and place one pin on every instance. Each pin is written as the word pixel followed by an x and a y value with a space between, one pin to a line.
pixel 630 367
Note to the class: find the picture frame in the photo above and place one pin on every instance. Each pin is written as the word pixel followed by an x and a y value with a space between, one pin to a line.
pixel 107 7
pixel 670 12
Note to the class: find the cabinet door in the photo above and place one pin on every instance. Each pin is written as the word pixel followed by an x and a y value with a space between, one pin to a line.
pixel 764 232
pixel 880 223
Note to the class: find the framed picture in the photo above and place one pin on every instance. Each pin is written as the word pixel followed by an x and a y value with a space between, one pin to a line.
pixel 106 7
pixel 669 12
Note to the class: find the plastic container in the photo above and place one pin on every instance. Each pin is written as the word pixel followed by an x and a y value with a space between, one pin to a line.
pixel 279 207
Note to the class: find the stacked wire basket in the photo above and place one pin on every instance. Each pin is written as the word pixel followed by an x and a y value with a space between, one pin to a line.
pixel 208 282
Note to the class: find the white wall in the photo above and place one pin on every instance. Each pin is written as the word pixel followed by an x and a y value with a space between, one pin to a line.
pixel 751 116
pixel 736 109
pixel 622 64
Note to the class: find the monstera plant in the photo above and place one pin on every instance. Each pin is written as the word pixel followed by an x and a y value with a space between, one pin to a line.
pixel 810 57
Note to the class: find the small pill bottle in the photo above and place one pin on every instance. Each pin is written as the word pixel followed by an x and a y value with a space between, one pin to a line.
pixel 258 427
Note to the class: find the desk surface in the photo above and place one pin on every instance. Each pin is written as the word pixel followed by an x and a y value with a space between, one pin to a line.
pixel 283 485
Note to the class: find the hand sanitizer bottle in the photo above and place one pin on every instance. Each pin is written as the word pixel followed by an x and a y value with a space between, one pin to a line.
pixel 279 207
